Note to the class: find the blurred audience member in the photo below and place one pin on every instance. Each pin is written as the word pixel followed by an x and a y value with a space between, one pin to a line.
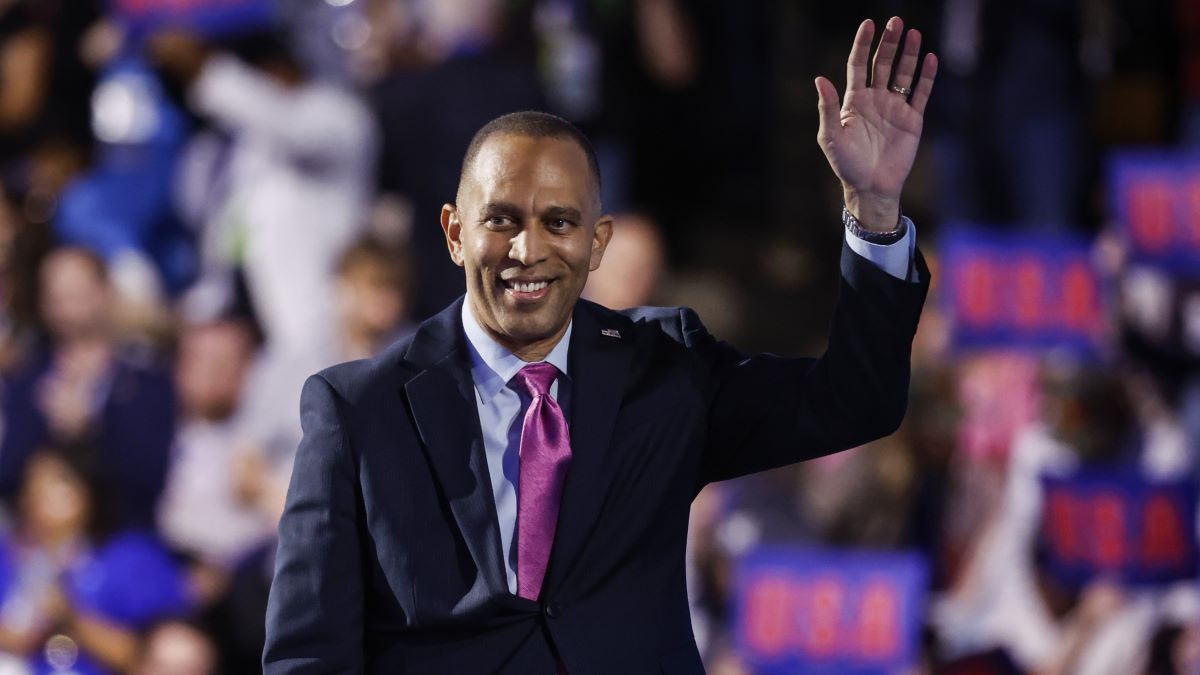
pixel 1091 421
pixel 74 589
pixel 285 189
pixel 23 245
pixel 727 521
pixel 633 266
pixel 239 620
pixel 44 85
pixel 430 110
pixel 203 513
pixel 121 207
pixel 373 289
pixel 1189 28
pixel 930 433
pixel 225 496
pixel 84 384
pixel 906 475
pixel 620 71
pixel 998 160
pixel 177 648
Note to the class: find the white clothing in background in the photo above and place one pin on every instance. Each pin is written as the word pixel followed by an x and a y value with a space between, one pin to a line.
pixel 1002 605
pixel 199 511
pixel 295 191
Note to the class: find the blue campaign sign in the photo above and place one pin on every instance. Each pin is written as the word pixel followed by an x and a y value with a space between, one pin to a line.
pixel 1022 291
pixel 1120 527
pixel 820 611
pixel 1156 202
pixel 210 18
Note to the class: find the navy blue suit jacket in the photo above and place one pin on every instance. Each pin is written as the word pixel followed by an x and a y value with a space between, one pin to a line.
pixel 389 555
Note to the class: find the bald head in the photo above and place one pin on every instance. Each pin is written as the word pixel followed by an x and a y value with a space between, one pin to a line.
pixel 531 124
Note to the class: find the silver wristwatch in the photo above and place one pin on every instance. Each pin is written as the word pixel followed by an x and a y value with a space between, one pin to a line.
pixel 883 238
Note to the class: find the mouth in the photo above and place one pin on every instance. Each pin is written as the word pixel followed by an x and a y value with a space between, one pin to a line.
pixel 526 290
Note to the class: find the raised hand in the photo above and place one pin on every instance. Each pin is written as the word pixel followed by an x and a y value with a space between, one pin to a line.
pixel 871 139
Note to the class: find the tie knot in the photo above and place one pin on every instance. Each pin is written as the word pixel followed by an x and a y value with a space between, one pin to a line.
pixel 537 377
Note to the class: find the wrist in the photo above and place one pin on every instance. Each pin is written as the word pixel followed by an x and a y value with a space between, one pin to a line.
pixel 871 236
pixel 873 213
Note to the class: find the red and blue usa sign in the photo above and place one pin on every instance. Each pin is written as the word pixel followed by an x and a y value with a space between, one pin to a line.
pixel 1156 202
pixel 1118 527
pixel 1023 291
pixel 811 611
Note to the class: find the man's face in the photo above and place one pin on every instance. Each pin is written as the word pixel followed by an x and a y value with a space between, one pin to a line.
pixel 371 301
pixel 527 229
pixel 75 300
pixel 211 369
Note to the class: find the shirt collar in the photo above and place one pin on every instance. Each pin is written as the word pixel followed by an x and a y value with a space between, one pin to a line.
pixel 492 366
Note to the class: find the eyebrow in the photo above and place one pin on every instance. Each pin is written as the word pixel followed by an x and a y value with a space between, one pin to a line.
pixel 549 213
pixel 562 213
pixel 500 209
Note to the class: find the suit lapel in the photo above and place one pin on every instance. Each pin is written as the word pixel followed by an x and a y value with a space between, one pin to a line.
pixel 601 354
pixel 441 398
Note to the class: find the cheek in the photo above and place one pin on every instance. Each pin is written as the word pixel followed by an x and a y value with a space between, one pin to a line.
pixel 484 253
pixel 580 256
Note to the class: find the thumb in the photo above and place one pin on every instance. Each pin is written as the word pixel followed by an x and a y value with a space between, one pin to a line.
pixel 828 107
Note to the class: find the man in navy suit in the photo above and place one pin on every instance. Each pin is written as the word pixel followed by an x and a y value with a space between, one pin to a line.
pixel 507 491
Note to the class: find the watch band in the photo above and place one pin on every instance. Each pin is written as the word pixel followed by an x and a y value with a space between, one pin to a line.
pixel 881 238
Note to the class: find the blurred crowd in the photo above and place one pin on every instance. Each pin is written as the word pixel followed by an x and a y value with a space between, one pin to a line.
pixel 199 210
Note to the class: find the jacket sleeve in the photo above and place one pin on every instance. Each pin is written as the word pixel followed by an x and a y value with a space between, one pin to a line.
pixel 767 411
pixel 315 610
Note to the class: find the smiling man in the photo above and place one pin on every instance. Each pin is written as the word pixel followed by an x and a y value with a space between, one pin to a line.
pixel 507 491
pixel 527 228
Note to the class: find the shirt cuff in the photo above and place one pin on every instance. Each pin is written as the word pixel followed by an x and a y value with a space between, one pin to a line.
pixel 895 258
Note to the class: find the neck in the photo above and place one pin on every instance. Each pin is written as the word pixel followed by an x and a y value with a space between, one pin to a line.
pixel 85 352
pixel 54 541
pixel 530 352
pixel 84 342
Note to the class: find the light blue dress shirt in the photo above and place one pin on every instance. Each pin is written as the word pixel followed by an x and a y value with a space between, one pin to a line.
pixel 502 408
pixel 501 414
pixel 895 258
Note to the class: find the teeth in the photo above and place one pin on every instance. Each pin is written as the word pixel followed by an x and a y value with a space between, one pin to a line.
pixel 529 287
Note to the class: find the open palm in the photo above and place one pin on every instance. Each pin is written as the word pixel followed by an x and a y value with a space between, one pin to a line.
pixel 871 138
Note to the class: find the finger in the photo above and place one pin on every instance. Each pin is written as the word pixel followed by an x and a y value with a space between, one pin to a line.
pixel 885 54
pixel 908 60
pixel 925 85
pixel 828 108
pixel 856 66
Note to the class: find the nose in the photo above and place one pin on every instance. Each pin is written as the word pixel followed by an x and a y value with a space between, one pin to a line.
pixel 529 246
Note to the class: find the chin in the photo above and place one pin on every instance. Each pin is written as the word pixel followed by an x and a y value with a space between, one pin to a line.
pixel 524 332
pixel 530 328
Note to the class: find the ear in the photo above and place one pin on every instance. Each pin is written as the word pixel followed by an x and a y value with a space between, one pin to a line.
pixel 452 228
pixel 600 238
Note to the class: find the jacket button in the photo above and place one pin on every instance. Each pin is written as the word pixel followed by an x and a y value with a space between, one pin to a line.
pixel 551 610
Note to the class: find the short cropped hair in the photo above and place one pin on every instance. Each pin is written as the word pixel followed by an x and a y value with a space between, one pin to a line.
pixel 532 124
pixel 392 264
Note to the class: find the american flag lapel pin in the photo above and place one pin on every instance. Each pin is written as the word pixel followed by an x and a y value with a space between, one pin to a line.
pixel 610 332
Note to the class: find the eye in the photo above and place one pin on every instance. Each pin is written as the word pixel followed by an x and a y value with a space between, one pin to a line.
pixel 497 222
pixel 559 224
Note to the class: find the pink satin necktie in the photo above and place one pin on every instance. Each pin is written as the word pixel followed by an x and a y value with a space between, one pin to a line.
pixel 545 457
